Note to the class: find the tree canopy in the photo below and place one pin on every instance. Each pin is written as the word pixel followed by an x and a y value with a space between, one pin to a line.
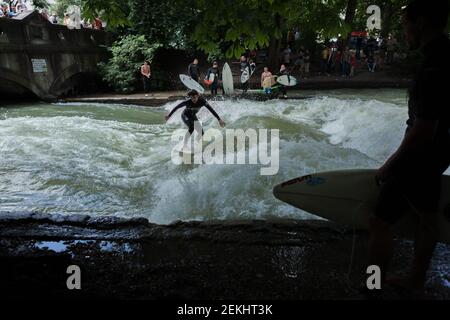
pixel 229 27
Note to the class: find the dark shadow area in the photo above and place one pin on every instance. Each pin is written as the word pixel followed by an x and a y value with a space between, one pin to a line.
pixel 12 93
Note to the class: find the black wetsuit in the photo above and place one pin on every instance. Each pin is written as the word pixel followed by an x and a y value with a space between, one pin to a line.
pixel 194 71
pixel 283 88
pixel 215 83
pixel 417 179
pixel 244 65
pixel 189 115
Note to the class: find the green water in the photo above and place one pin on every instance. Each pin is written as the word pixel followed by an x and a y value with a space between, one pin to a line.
pixel 116 160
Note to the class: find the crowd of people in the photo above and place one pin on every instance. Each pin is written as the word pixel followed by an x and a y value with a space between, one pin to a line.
pixel 345 57
pixel 9 9
pixel 12 8
pixel 341 57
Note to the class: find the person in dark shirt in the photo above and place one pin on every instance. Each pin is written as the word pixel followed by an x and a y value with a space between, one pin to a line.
pixel 214 69
pixel 189 115
pixel 410 180
pixel 194 70
pixel 284 72
pixel 245 65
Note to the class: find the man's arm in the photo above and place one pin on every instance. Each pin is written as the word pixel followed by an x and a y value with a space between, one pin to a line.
pixel 214 113
pixel 181 105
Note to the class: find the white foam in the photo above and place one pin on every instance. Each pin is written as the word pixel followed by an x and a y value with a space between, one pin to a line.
pixel 112 161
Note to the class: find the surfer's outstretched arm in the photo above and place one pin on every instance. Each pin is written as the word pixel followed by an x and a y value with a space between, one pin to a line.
pixel 214 113
pixel 181 105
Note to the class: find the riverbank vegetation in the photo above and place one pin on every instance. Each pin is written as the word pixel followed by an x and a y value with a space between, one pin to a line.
pixel 226 29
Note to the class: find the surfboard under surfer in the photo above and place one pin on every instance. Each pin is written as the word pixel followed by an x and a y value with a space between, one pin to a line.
pixel 189 115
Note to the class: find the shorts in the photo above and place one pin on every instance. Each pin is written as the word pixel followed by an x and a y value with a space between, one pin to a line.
pixel 399 195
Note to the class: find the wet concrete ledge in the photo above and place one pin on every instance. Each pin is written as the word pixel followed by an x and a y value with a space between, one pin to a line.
pixel 250 259
pixel 156 99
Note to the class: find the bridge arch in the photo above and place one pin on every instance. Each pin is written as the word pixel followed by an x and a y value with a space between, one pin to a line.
pixel 71 79
pixel 10 78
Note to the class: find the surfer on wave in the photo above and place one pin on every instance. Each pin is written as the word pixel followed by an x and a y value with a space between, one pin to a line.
pixel 189 115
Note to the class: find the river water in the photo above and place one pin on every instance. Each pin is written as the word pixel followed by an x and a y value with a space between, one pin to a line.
pixel 102 159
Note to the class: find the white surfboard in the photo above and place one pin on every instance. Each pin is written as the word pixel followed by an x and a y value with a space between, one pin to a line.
pixel 210 79
pixel 245 75
pixel 191 83
pixel 287 81
pixel 227 79
pixel 349 198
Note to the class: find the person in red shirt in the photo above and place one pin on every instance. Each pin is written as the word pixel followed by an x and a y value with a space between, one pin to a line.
pixel 98 25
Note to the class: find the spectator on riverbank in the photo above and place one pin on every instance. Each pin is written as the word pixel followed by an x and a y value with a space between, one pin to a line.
pixel 287 56
pixel 146 73
pixel 85 24
pixel 306 63
pixel 215 84
pixel 336 62
pixel 194 70
pixel 6 10
pixel 66 20
pixel 391 46
pixel 44 14
pixel 353 63
pixel 266 82
pixel 97 24
pixel 359 45
pixel 299 61
pixel 324 56
pixel 346 62
pixel 20 6
pixel 371 62
pixel 53 18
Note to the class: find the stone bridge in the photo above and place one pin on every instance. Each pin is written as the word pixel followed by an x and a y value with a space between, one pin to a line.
pixel 49 61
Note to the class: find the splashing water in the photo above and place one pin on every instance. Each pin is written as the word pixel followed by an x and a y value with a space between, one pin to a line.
pixel 115 160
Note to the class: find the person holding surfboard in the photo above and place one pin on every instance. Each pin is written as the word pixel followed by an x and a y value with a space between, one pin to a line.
pixel 189 116
pixel 215 71
pixel 194 70
pixel 284 72
pixel 410 180
pixel 245 67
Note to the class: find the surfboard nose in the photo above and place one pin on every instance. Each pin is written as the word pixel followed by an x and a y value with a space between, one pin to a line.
pixel 277 191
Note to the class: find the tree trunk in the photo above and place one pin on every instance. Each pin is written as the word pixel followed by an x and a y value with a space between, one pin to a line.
pixel 386 20
pixel 274 54
pixel 275 47
pixel 350 12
